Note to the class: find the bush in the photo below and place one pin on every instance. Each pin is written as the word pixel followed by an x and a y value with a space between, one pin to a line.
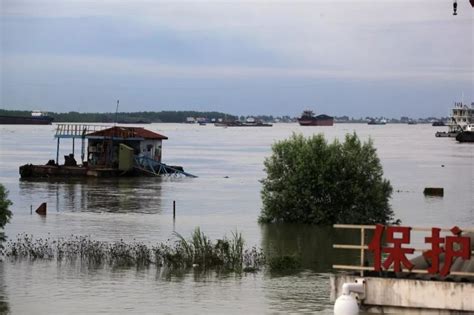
pixel 5 213
pixel 311 181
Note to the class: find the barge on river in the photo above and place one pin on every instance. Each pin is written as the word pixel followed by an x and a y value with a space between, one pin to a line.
pixel 309 119
pixel 249 122
pixel 36 118
pixel 111 151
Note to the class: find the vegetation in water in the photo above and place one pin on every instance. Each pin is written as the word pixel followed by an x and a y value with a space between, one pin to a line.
pixel 198 251
pixel 284 263
pixel 311 181
pixel 5 213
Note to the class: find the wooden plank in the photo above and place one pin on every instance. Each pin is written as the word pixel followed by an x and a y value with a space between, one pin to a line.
pixel 344 246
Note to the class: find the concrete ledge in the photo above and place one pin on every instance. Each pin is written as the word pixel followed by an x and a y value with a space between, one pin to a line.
pixel 415 296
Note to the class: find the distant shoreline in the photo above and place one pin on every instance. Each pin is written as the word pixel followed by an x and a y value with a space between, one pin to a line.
pixel 147 117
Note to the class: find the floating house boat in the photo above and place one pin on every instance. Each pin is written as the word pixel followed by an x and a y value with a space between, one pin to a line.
pixel 111 151
pixel 309 119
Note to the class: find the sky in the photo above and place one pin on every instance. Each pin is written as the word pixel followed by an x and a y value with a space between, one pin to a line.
pixel 358 58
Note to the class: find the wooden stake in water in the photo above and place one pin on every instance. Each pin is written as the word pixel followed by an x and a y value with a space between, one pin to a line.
pixel 174 209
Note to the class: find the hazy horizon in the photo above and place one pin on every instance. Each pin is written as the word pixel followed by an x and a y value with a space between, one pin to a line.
pixel 356 58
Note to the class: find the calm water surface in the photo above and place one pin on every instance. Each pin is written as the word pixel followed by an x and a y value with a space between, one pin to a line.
pixel 224 198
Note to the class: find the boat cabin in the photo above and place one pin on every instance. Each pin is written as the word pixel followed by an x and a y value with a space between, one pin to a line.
pixel 114 146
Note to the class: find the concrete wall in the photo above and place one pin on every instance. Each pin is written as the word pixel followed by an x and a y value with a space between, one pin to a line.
pixel 411 296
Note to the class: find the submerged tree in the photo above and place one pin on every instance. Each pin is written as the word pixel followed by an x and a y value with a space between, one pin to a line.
pixel 311 181
pixel 5 213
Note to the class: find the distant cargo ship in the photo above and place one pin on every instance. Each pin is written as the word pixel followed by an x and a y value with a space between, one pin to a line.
pixel 36 118
pixel 309 119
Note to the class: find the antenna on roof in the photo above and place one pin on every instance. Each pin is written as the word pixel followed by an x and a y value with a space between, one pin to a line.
pixel 116 112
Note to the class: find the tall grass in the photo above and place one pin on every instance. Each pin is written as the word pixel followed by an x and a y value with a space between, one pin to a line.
pixel 227 253
pixel 198 252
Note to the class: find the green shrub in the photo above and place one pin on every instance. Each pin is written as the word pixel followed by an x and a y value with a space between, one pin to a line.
pixel 311 181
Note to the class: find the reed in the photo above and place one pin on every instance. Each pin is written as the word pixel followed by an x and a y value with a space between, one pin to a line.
pixel 198 251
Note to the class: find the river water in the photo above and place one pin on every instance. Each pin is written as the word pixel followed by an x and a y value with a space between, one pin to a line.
pixel 224 198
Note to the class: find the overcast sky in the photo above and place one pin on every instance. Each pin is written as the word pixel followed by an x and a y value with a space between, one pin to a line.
pixel 358 58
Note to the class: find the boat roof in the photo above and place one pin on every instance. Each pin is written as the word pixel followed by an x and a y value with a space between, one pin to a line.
pixel 136 133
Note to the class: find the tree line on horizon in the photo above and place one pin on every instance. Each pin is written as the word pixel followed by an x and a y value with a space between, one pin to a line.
pixel 124 117
pixel 180 116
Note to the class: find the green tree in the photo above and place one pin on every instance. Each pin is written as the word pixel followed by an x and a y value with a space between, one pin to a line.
pixel 5 213
pixel 311 181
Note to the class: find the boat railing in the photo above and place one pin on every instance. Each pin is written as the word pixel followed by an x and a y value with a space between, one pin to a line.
pixel 156 168
pixel 76 130
pixel 362 247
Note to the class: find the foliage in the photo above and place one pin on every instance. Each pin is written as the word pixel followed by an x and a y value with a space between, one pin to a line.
pixel 5 213
pixel 199 251
pixel 311 181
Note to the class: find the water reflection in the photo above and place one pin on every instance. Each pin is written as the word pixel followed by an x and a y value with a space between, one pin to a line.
pixel 304 292
pixel 4 306
pixel 313 244
pixel 119 195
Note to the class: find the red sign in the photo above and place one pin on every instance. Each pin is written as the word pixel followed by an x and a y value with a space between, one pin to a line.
pixel 451 246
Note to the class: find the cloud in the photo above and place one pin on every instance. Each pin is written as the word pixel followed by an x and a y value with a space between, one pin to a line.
pixel 111 41
pixel 143 69
pixel 335 37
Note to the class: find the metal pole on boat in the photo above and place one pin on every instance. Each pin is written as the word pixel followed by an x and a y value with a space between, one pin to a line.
pixel 73 145
pixel 116 112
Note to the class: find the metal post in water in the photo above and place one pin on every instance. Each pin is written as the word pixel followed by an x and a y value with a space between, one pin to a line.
pixel 31 209
pixel 57 153
pixel 73 145
pixel 174 209
pixel 362 251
